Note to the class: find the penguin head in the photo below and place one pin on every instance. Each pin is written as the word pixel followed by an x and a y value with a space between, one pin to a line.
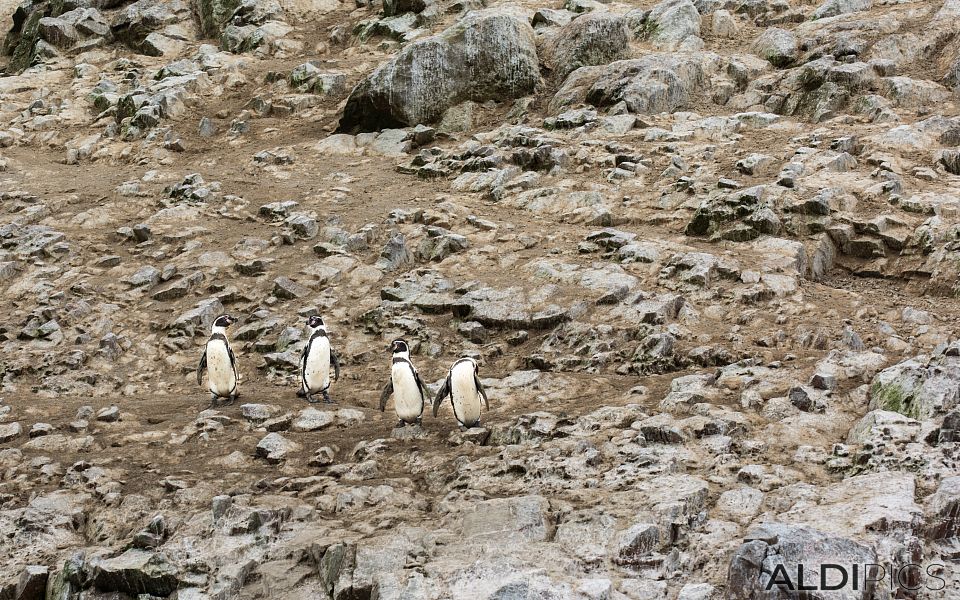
pixel 224 321
pixel 400 347
pixel 473 363
pixel 315 322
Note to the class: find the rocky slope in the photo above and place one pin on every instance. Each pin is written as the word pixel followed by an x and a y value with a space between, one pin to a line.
pixel 706 253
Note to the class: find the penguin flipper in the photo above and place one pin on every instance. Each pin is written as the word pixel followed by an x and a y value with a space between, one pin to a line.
pixel 202 367
pixel 385 395
pixel 336 366
pixel 444 390
pixel 233 363
pixel 424 391
pixel 481 391
pixel 303 366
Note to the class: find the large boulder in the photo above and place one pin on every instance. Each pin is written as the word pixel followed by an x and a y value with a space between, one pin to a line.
pixel 769 562
pixel 920 387
pixel 655 83
pixel 136 572
pixel 488 55
pixel 20 42
pixel 667 24
pixel 137 21
pixel 593 39
pixel 778 46
pixel 214 14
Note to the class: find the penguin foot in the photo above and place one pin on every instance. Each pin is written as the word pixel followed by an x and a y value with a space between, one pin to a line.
pixel 418 421
pixel 301 393
pixel 401 423
pixel 327 399
pixel 230 400
pixel 311 399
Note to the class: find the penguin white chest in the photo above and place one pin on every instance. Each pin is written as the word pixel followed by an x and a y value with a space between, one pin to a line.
pixel 220 374
pixel 464 395
pixel 407 397
pixel 316 373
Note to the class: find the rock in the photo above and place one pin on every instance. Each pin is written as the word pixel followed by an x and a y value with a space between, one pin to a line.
pixel 593 39
pixel 275 448
pixel 311 419
pixel 942 509
pixel 779 550
pixel 40 429
pixel 258 412
pixel 287 289
pixel 214 15
pixel 9 432
pixel 777 46
pixel 138 20
pixel 486 56
pixel 635 544
pixel 668 24
pixel 521 519
pixel 724 24
pixel 697 591
pixel 919 388
pixel 832 8
pixel 32 584
pixel 136 572
pixel 394 254
pixel 649 85
pixel 109 414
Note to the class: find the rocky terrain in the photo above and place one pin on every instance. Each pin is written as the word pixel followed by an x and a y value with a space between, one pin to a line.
pixel 706 253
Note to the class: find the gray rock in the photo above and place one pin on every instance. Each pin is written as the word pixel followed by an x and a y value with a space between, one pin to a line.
pixel 109 414
pixel 9 432
pixel 311 419
pixel 486 56
pixel 697 591
pixel 287 289
pixel 832 8
pixel 669 23
pixel 147 276
pixel 40 429
pixel 32 584
pixel 920 388
pixel 258 412
pixel 652 84
pixel 777 46
pixel 138 20
pixel 214 15
pixel 275 448
pixel 636 543
pixel 136 572
pixel 777 549
pixel 942 510
pixel 522 518
pixel 593 39
pixel 395 254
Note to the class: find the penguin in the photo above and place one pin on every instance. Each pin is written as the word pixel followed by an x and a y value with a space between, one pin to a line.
pixel 465 391
pixel 316 361
pixel 220 363
pixel 408 390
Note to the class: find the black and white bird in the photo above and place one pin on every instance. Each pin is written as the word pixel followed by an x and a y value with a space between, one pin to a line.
pixel 465 391
pixel 316 362
pixel 409 392
pixel 220 363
